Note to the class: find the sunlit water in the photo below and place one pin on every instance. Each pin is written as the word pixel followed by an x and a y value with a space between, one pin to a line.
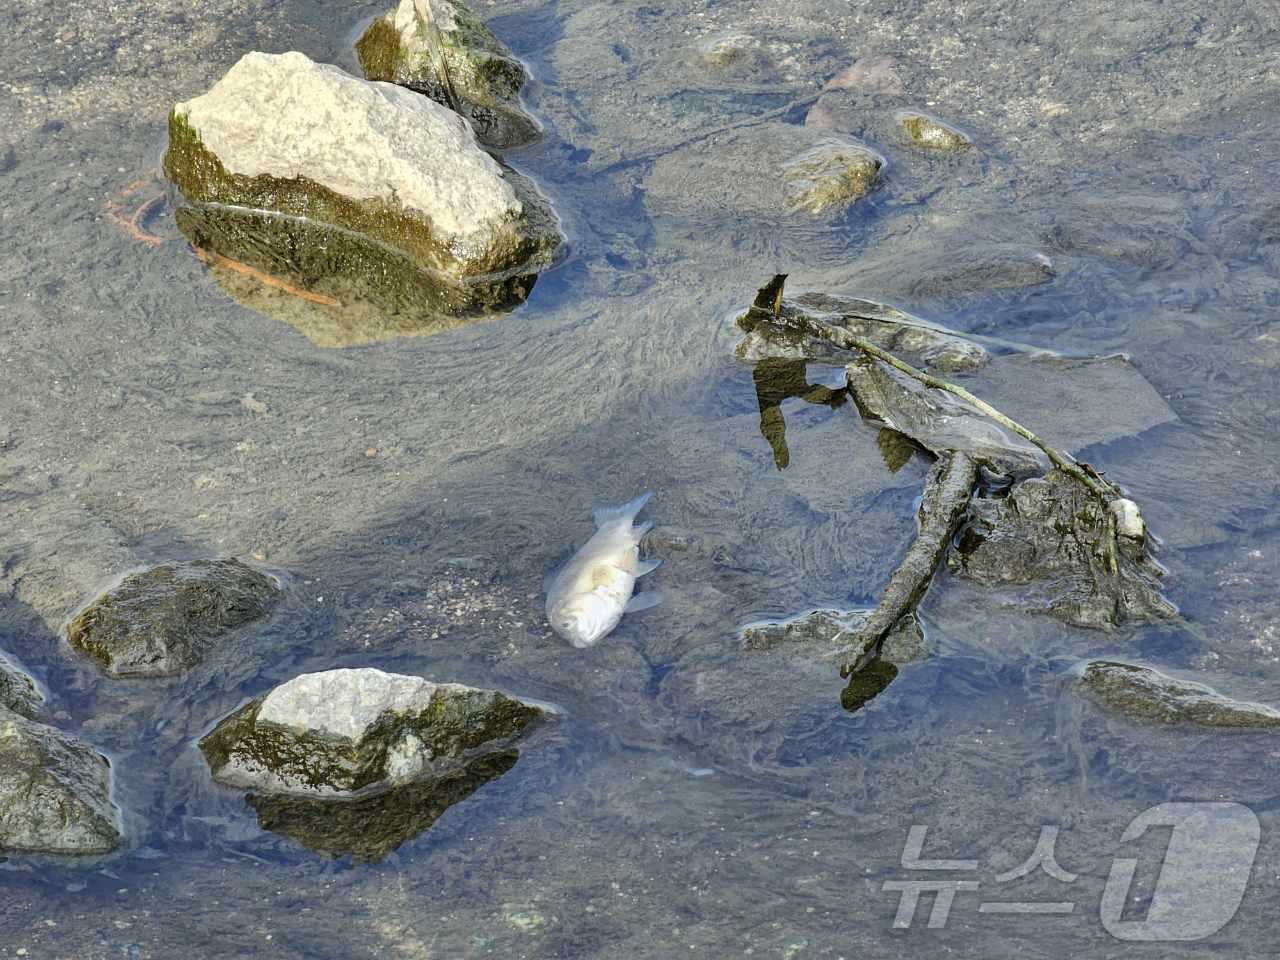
pixel 695 800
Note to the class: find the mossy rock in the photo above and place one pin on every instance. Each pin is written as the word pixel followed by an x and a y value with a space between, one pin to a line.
pixel 55 791
pixel 354 731
pixel 482 73
pixel 1147 695
pixel 403 211
pixel 930 133
pixel 164 620
pixel 831 175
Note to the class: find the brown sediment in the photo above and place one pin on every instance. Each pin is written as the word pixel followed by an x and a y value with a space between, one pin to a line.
pixel 218 260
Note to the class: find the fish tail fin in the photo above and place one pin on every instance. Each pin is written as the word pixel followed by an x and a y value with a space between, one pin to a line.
pixel 624 513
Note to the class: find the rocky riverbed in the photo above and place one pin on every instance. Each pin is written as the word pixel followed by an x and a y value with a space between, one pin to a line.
pixel 410 492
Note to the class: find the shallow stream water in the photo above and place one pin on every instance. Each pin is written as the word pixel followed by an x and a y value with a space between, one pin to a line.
pixel 695 800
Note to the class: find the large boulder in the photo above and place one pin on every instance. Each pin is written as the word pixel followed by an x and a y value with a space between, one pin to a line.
pixel 442 49
pixel 55 791
pixel 352 191
pixel 164 620
pixel 358 731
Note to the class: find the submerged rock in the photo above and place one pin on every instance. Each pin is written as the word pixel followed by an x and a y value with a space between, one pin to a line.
pixel 18 691
pixel 350 190
pixel 164 620
pixel 369 828
pixel 937 421
pixel 1053 536
pixel 1142 693
pixel 832 174
pixel 930 133
pixel 887 327
pixel 55 791
pixel 829 632
pixel 481 78
pixel 343 732
pixel 730 50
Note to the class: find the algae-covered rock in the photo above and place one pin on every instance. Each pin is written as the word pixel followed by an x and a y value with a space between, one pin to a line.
pixel 164 620
pixel 18 691
pixel 481 78
pixel 342 732
pixel 733 49
pixel 1142 693
pixel 55 791
pixel 930 133
pixel 831 174
pixel 354 191
pixel 1054 537
pixel 369 828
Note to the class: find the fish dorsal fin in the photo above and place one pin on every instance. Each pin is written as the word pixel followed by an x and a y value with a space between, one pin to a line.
pixel 622 513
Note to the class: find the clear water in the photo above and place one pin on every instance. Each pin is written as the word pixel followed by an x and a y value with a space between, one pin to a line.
pixel 696 801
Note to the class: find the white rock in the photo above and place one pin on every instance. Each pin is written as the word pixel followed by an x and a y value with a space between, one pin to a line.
pixel 1129 522
pixel 284 116
pixel 345 703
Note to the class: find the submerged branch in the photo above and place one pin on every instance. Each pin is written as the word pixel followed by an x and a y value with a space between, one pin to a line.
pixel 946 497
pixel 770 299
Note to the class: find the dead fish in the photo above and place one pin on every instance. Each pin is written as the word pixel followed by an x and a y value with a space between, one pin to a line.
pixel 589 596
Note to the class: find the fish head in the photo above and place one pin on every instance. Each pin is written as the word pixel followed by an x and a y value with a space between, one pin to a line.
pixel 585 618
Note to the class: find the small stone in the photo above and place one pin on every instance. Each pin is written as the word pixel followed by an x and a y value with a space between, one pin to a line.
pixel 164 620
pixel 832 174
pixel 730 49
pixel 930 133
pixel 1129 522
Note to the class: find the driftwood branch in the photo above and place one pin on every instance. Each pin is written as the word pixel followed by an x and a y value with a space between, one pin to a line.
pixel 946 498
pixel 947 491
pixel 770 299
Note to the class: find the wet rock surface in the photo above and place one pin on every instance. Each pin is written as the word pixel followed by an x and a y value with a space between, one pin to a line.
pixel 831 633
pixel 1054 537
pixel 1145 694
pixel 55 791
pixel 830 175
pixel 18 691
pixel 480 77
pixel 930 133
pixel 369 828
pixel 341 732
pixel 164 620
pixel 397 205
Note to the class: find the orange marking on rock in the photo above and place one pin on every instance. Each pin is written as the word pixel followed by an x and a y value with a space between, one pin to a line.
pixel 218 260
